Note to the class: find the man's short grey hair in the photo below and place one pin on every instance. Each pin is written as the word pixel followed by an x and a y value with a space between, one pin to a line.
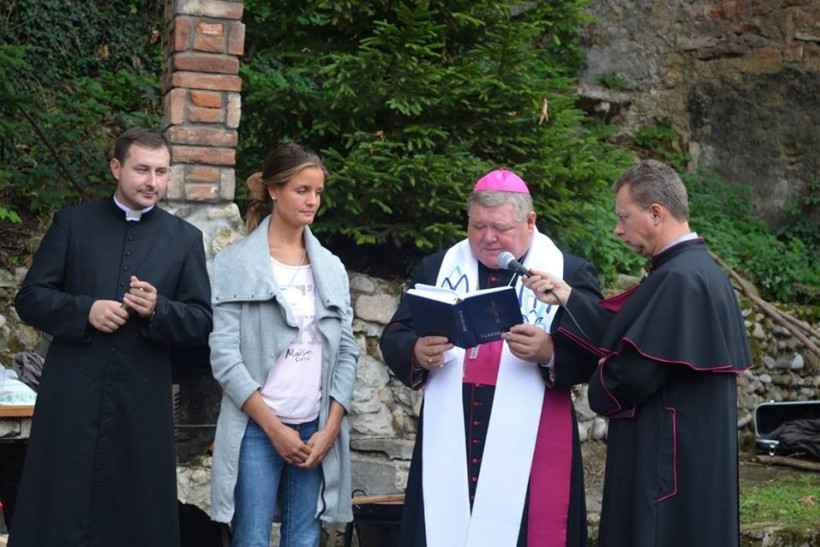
pixel 521 202
pixel 652 181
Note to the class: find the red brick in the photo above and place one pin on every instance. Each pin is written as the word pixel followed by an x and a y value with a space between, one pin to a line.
pixel 206 62
pixel 210 37
pixel 198 80
pixel 210 8
pixel 203 154
pixel 203 174
pixel 183 29
pixel 197 114
pixel 173 104
pixel 201 192
pixel 210 29
pixel 212 44
pixel 206 99
pixel 202 135
pixel 236 38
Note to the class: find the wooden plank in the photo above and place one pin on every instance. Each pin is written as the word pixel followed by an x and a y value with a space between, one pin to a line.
pixel 16 411
pixel 788 461
pixel 387 499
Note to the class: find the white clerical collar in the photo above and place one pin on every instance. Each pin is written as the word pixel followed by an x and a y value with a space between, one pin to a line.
pixel 686 237
pixel 131 214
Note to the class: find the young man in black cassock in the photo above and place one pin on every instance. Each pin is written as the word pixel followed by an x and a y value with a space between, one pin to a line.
pixel 671 350
pixel 117 284
pixel 497 459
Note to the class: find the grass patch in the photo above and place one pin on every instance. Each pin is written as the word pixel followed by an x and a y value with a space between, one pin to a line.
pixel 786 501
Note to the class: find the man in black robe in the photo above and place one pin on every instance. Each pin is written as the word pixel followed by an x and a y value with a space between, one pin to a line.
pixel 117 284
pixel 550 509
pixel 671 349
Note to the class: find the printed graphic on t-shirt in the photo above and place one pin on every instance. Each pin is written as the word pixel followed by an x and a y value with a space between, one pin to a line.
pixel 293 387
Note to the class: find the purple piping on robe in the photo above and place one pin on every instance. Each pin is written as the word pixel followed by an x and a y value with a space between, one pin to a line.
pixel 716 368
pixel 674 456
pixel 615 303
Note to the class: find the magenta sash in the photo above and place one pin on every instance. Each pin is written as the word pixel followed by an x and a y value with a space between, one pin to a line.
pixel 484 368
pixel 550 473
pixel 552 459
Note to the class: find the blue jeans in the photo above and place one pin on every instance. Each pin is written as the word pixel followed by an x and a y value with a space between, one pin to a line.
pixel 262 472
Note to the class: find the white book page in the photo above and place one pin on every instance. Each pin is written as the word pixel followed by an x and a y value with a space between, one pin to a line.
pixel 432 292
pixel 485 291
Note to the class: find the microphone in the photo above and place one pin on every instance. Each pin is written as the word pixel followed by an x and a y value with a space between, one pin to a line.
pixel 507 261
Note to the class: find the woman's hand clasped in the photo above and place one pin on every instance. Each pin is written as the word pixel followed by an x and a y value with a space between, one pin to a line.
pixel 289 445
pixel 319 445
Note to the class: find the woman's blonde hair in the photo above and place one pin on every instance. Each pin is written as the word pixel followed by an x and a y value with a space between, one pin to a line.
pixel 280 166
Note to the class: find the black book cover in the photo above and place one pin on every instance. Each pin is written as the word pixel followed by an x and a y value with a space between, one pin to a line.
pixel 474 318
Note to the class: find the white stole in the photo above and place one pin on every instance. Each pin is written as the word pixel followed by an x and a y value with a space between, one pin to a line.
pixel 512 431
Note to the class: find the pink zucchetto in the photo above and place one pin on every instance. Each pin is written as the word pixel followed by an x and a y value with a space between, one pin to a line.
pixel 503 181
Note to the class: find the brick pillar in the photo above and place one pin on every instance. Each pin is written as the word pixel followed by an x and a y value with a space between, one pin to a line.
pixel 201 100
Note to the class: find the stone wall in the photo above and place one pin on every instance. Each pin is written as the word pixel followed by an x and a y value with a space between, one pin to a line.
pixel 384 412
pixel 739 79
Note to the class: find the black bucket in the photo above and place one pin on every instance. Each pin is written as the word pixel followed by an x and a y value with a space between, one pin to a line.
pixel 376 521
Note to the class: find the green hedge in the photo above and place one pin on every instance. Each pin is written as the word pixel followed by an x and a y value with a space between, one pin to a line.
pixel 411 102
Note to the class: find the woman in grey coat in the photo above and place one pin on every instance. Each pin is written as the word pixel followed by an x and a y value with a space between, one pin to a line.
pixel 283 350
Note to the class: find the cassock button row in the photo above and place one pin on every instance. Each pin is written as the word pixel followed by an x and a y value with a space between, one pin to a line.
pixel 477 404
pixel 476 441
pixel 476 422
pixel 474 479
pixel 475 460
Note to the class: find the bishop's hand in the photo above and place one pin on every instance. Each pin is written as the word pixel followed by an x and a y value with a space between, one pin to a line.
pixel 529 343
pixel 429 351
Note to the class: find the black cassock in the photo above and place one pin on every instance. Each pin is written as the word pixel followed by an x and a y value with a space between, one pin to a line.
pixel 675 344
pixel 573 366
pixel 100 466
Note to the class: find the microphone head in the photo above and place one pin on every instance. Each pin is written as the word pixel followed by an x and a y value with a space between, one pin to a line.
pixel 505 258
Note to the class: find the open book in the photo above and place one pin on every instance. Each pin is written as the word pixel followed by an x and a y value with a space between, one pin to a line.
pixel 468 320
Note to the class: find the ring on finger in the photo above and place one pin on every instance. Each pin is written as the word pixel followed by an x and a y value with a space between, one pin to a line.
pixel 430 360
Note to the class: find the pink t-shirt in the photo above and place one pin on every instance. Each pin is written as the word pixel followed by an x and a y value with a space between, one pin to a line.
pixel 293 388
